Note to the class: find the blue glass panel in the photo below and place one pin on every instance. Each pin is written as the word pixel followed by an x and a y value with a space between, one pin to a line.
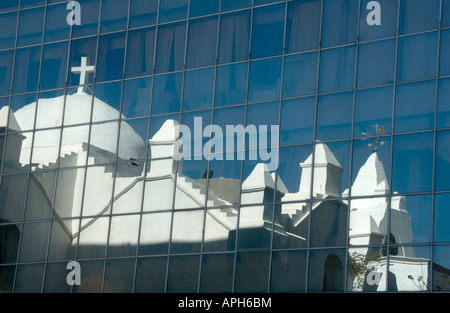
pixel 228 5
pixel 263 116
pixel 414 106
pixel 171 10
pixel 111 57
pixel 442 180
pixel 143 12
pixel 373 111
pixel 31 3
pixel 114 15
pixel 56 28
pixel 259 2
pixel 136 97
pixel 231 84
pixel 8 30
pixel 441 217
pixel 6 61
pixel 226 117
pixel 412 163
pixel 444 62
pixel 300 75
pixel 418 15
pixel 376 63
pixel 234 36
pixel 89 19
pixel 202 42
pixel 303 25
pixel 18 102
pixel 31 26
pixel 157 121
pixel 337 70
pixel 265 78
pixel 334 116
pixel 419 207
pixel 170 47
pixel 417 57
pixel 445 13
pixel 339 22
pixel 79 49
pixel 7 5
pixel 268 31
pixel 289 169
pixel 198 89
pixel 26 72
pixel 54 66
pixel 443 118
pixel 195 148
pixel 111 94
pixel 140 52
pixel 297 120
pixel 203 7
pixel 167 93
pixel 388 20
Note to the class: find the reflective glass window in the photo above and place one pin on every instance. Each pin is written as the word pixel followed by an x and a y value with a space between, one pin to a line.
pixel 254 236
pixel 34 241
pixel 300 75
pixel 334 116
pixel 441 215
pixel 330 215
pixel 6 61
pixel 8 31
pixel 60 245
pixel 14 4
pixel 443 118
pixel 337 70
pixel 198 89
pixel 412 163
pixel 171 10
pixel 326 270
pixel 187 231
pixel 78 49
pixel 89 19
pixel 26 72
pixel 109 93
pixel 119 275
pixel 444 63
pixel 339 25
pixel 263 116
pixel 151 275
pixel 114 15
pixel 260 2
pixel 373 111
pixel 217 273
pixel 232 116
pixel 203 7
pixel 56 28
pixel 93 239
pixel 376 63
pixel 92 279
pixel 414 106
pixel 442 181
pixel 440 265
pixel 155 233
pixel 167 93
pixel 123 235
pixel 140 52
pixel 418 15
pixel 252 272
pixel 112 50
pixel 303 25
pixel 417 57
pixel 31 3
pixel 268 31
pixel 234 36
pixel 388 20
pixel 136 97
pixel 170 47
pixel 265 80
pixel 29 278
pixel 297 128
pixel 31 26
pixel 52 284
pixel 231 84
pixel 445 13
pixel 18 102
pixel 183 274
pixel 288 271
pixel 54 66
pixel 228 5
pixel 11 187
pixel 45 146
pixel 65 179
pixel 143 12
pixel 202 42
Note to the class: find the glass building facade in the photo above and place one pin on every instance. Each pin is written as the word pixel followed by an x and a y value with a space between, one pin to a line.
pixel 92 97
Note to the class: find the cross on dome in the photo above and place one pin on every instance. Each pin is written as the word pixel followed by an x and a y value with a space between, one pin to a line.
pixel 84 71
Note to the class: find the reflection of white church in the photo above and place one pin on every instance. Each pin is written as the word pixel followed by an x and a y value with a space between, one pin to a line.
pixel 325 221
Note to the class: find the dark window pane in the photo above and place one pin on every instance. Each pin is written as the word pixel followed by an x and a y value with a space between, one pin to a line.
pixel 111 50
pixel 202 42
pixel 442 180
pixel 300 75
pixel 414 106
pixel 136 97
pixel 330 215
pixel 326 270
pixel 151 275
pixel 252 272
pixel 268 31
pixel 11 187
pixel 8 30
pixel 444 67
pixel 26 72
pixel 388 27
pixel 140 52
pixel 303 25
pixel 30 26
pixel 54 66
pixel 417 57
pixel 337 70
pixel 334 116
pixel 89 19
pixel 14 4
pixel 234 37
pixel 91 277
pixel 228 5
pixel 443 118
pixel 31 3
pixel 289 271
pixel 119 276
pixel 265 80
pixel 6 62
pixel 34 242
pixel 167 93
pixel 143 12
pixel 441 215
pixel 339 22
pixel 29 278
pixel 217 273
pixel 376 63
pixel 231 84
pixel 441 265
pixel 295 127
pixel 56 28
pixel 171 10
pixel 418 15
pixel 114 15
pixel 183 274
pixel 198 89
pixel 445 13
pixel 203 7
pixel 170 47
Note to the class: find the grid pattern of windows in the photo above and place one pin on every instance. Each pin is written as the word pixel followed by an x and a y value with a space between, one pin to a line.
pixel 85 176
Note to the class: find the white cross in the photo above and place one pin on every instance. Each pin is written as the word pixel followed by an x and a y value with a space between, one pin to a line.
pixel 84 71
